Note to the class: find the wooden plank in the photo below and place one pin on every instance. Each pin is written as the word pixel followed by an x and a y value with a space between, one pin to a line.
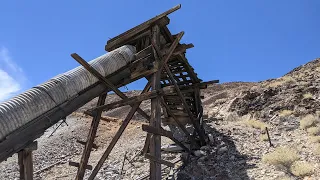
pixel 117 136
pixel 159 161
pixel 129 101
pixel 90 139
pixel 146 144
pixel 75 164
pixel 120 39
pixel 105 81
pixel 143 53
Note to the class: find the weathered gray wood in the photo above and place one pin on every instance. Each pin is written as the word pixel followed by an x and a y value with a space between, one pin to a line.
pixel 155 120
pixel 117 136
pixel 122 38
pixel 90 139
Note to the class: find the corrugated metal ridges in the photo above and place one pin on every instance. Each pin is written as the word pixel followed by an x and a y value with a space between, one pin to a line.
pixel 27 106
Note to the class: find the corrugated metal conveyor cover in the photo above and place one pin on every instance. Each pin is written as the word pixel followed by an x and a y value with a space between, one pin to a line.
pixel 36 101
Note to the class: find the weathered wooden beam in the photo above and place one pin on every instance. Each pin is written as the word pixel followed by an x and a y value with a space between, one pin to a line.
pixel 129 101
pixel 146 144
pixel 159 161
pixel 155 120
pixel 75 164
pixel 162 132
pixel 120 39
pixel 117 136
pixel 90 139
pixel 181 48
pixel 88 67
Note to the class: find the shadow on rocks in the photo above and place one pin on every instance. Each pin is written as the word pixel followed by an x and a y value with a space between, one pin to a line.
pixel 219 160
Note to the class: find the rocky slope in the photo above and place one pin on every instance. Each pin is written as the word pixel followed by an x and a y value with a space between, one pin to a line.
pixel 238 113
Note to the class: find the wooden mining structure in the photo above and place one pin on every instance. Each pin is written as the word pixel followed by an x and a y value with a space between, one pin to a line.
pixel 172 85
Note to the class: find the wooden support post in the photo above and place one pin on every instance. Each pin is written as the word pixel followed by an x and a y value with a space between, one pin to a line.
pixel 94 72
pixel 117 136
pixel 90 139
pixel 25 161
pixel 155 120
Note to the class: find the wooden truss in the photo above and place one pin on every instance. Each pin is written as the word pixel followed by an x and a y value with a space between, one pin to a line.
pixel 172 85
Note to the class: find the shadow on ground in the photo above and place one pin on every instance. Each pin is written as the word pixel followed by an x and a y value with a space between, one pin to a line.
pixel 220 160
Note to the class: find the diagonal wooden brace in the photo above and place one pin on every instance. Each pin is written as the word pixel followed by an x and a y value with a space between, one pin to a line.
pixel 88 67
pixel 117 136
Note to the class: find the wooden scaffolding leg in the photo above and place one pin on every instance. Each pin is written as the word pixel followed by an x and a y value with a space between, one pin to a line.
pixel 117 136
pixel 90 139
pixel 25 162
pixel 155 119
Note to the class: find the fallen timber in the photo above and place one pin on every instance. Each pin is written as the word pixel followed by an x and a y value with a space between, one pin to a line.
pixel 172 85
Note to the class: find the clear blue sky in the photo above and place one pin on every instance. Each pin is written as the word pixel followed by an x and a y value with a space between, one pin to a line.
pixel 247 40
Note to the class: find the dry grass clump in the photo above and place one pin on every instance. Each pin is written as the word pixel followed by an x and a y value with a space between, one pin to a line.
pixel 314 131
pixel 317 149
pixel 281 157
pixel 301 169
pixel 281 81
pixel 256 124
pixel 315 139
pixel 308 121
pixel 307 96
pixel 285 113
pixel 264 137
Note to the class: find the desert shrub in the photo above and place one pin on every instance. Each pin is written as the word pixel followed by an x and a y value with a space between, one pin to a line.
pixel 317 149
pixel 285 113
pixel 314 131
pixel 264 137
pixel 307 96
pixel 301 169
pixel 308 121
pixel 255 124
pixel 315 139
pixel 281 81
pixel 281 157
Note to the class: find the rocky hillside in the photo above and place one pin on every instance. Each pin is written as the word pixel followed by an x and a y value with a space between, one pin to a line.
pixel 238 114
